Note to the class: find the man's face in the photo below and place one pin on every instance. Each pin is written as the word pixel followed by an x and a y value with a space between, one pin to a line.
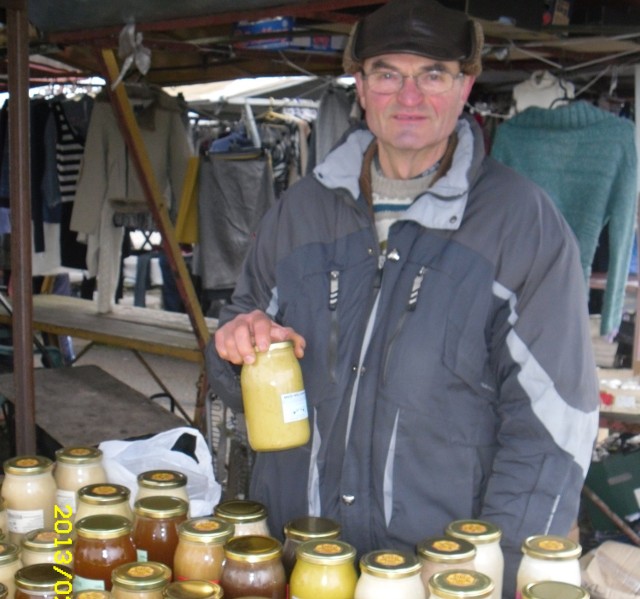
pixel 409 123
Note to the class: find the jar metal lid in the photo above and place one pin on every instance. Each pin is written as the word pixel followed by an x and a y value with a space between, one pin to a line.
pixel 42 577
pixel 446 549
pixel 78 455
pixel 9 552
pixel 476 531
pixel 390 564
pixel 160 506
pixel 253 548
pixel 104 494
pixel 27 465
pixel 206 529
pixel 141 576
pixel 326 552
pixel 193 589
pixel 91 594
pixel 312 527
pixel 162 479
pixel 103 526
pixel 40 539
pixel 457 584
pixel 240 511
pixel 553 590
pixel 551 547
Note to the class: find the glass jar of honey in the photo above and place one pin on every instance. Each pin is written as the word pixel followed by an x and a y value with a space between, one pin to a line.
pixel 200 551
pixel 248 517
pixel 389 573
pixel 552 589
pixel 91 594
pixel 42 581
pixel 460 584
pixel 104 498
pixel 10 563
pixel 486 538
pixel 162 482
pixel 193 589
pixel 39 547
pixel 29 492
pixel 140 580
pixel 4 591
pixel 253 566
pixel 444 553
pixel 275 403
pixel 549 558
pixel 306 528
pixel 155 527
pixel 324 569
pixel 103 542
pixel 75 468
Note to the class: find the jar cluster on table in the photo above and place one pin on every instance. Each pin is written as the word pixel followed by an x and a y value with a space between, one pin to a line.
pixel 66 530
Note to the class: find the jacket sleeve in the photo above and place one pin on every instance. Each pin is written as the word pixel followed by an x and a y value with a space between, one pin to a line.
pixel 548 400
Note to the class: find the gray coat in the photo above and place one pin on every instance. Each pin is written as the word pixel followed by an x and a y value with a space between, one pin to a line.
pixel 455 380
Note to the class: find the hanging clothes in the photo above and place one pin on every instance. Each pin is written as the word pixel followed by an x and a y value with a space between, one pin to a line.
pixel 108 176
pixel 585 158
pixel 543 90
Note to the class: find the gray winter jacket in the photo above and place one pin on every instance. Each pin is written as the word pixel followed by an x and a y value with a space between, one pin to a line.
pixel 469 393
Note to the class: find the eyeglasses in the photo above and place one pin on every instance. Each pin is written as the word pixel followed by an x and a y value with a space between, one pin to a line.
pixel 432 82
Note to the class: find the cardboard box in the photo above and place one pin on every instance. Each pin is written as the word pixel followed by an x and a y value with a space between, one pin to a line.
pixel 616 480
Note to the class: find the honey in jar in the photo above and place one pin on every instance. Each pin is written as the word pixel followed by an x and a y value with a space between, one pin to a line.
pixel 253 566
pixel 247 516
pixel 103 542
pixel 43 581
pixel 460 584
pixel 193 589
pixel 162 482
pixel 39 547
pixel 200 551
pixel 274 399
pixel 389 573
pixel 91 594
pixel 155 527
pixel 4 591
pixel 324 569
pixel 444 553
pixel 10 563
pixel 29 492
pixel 306 528
pixel 104 498
pixel 76 467
pixel 140 580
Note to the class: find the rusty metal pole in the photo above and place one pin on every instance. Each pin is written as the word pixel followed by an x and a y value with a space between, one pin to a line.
pixel 19 181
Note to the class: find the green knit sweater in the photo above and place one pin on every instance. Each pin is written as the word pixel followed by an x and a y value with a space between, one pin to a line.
pixel 585 158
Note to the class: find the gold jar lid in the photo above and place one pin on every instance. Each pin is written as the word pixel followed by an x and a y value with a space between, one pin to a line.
pixel 206 529
pixel 162 479
pixel 312 527
pixel 103 526
pixel 193 589
pixel 475 531
pixel 78 455
pixel 446 549
pixel 4 591
pixel 91 594
pixel 389 563
pixel 239 511
pixel 553 590
pixel 27 465
pixel 9 552
pixel 42 577
pixel 458 584
pixel 160 506
pixel 326 552
pixel 253 549
pixel 141 576
pixel 104 494
pixel 551 547
pixel 41 539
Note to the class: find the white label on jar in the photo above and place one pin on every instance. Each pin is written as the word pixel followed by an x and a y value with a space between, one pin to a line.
pixel 294 406
pixel 24 521
pixel 143 555
pixel 64 498
pixel 86 584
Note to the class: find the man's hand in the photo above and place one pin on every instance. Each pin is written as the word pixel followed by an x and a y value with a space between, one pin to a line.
pixel 237 340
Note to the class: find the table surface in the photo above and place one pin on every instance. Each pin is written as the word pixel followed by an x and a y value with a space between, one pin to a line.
pixel 141 329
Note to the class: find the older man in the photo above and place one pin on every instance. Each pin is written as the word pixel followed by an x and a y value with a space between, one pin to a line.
pixel 437 302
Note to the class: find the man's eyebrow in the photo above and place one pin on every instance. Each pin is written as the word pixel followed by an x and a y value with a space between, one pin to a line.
pixel 380 63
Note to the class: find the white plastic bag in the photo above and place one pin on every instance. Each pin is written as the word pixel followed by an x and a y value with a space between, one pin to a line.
pixel 124 460
pixel 612 571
